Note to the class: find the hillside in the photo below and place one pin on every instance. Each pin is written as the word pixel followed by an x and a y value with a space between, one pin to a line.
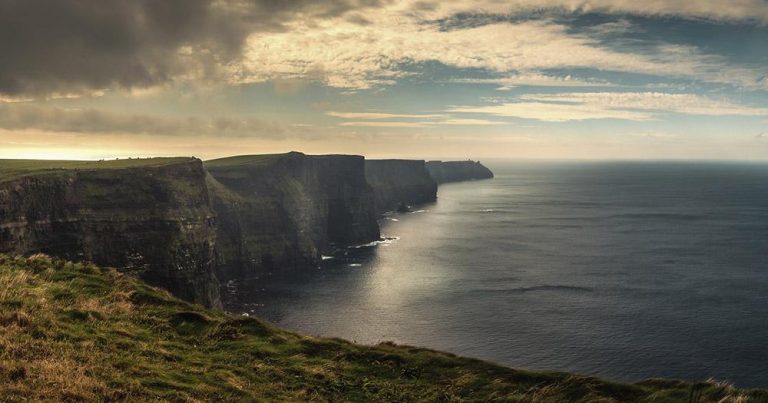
pixel 77 332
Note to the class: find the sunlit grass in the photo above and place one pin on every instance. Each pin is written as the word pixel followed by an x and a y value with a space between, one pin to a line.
pixel 14 168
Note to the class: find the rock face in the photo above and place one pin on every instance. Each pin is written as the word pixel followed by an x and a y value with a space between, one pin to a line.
pixel 155 219
pixel 283 211
pixel 397 182
pixel 456 171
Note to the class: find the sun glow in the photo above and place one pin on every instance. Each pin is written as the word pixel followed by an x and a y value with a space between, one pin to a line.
pixel 53 153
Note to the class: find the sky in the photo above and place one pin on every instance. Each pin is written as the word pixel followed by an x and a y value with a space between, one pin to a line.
pixel 551 79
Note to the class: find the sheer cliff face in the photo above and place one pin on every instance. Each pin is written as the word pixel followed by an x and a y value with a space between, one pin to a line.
pixel 156 220
pixel 283 211
pixel 397 182
pixel 457 171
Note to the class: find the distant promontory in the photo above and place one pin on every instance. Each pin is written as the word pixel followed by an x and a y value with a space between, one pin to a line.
pixel 457 171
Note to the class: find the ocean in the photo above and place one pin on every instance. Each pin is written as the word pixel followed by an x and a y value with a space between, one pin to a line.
pixel 623 270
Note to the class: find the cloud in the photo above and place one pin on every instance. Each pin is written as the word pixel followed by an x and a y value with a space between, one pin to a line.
pixel 554 112
pixel 13 100
pixel 376 115
pixel 741 10
pixel 533 79
pixel 347 55
pixel 469 122
pixel 438 120
pixel 68 46
pixel 71 46
pixel 51 119
pixel 385 124
pixel 690 104
pixel 634 106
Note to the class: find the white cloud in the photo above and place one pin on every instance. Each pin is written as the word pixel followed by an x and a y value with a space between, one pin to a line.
pixel 24 116
pixel 469 122
pixel 13 100
pixel 442 121
pixel 344 54
pixel 690 104
pixel 735 10
pixel 635 106
pixel 533 79
pixel 385 124
pixel 710 9
pixel 554 112
pixel 377 115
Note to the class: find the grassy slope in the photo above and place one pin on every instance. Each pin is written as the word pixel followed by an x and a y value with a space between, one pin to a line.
pixel 13 169
pixel 239 166
pixel 241 160
pixel 78 332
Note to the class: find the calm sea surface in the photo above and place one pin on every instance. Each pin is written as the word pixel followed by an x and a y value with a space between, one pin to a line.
pixel 620 270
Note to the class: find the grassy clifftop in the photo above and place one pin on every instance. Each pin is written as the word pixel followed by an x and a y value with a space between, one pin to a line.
pixel 82 333
pixel 13 169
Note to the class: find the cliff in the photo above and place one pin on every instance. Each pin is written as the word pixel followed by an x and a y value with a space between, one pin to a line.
pixel 456 171
pixel 151 216
pixel 283 211
pixel 77 332
pixel 397 182
pixel 184 227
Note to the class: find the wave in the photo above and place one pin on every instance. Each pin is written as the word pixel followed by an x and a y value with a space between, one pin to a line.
pixel 380 241
pixel 545 287
pixel 661 216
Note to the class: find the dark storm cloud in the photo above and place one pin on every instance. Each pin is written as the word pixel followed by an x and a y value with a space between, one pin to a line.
pixel 28 116
pixel 64 46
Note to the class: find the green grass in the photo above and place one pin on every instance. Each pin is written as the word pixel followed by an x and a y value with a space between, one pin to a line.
pixel 244 160
pixel 77 332
pixel 242 166
pixel 13 169
pixel 257 160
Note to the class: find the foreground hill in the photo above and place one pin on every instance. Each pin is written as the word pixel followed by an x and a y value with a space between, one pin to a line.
pixel 77 332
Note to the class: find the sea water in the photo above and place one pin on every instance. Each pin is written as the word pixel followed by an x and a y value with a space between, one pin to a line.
pixel 624 270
